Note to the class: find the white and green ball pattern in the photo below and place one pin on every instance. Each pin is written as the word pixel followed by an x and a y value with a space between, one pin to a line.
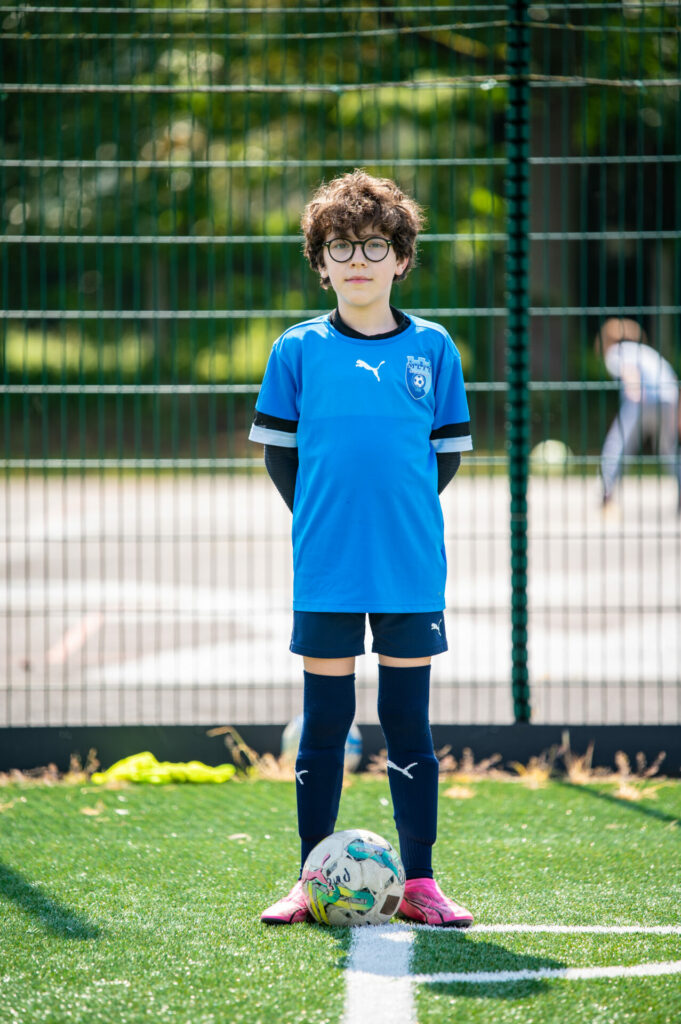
pixel 353 877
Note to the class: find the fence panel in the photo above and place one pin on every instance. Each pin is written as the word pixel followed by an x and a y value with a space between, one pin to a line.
pixel 605 242
pixel 155 162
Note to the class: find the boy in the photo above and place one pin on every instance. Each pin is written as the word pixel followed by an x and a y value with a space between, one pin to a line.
pixel 363 416
pixel 649 402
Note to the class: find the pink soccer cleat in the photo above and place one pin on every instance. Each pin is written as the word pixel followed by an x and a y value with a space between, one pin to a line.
pixel 289 910
pixel 424 901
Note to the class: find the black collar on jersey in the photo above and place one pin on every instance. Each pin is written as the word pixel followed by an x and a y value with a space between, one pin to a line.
pixel 401 318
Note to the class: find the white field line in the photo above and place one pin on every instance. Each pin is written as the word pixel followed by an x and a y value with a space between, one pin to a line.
pixel 562 929
pixel 378 983
pixel 571 973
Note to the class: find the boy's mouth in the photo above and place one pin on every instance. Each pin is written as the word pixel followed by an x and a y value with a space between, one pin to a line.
pixel 357 278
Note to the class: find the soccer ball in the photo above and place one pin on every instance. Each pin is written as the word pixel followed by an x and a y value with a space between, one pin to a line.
pixel 550 457
pixel 290 741
pixel 353 877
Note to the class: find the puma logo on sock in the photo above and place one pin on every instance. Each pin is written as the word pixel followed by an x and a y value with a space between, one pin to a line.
pixel 403 771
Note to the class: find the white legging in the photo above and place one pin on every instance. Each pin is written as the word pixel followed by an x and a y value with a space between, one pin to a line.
pixel 635 422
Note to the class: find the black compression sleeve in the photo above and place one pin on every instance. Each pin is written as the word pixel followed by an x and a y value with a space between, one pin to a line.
pixel 447 465
pixel 282 465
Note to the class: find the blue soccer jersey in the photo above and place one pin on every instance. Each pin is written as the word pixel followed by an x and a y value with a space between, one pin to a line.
pixel 367 416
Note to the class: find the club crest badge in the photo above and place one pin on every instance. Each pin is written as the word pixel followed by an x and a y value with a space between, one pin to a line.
pixel 419 376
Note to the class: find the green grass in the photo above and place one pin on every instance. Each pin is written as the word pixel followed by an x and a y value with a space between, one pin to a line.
pixel 148 909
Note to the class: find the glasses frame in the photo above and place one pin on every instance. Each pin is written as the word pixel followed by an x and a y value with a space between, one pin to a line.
pixel 359 242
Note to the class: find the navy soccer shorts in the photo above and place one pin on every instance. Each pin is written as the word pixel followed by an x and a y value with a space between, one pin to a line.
pixel 341 634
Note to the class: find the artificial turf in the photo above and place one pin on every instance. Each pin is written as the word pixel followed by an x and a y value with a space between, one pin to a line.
pixel 570 855
pixel 142 903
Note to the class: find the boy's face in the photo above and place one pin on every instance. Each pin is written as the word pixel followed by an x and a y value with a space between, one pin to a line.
pixel 361 281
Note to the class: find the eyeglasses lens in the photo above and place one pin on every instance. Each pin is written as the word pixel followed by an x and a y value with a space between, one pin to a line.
pixel 375 249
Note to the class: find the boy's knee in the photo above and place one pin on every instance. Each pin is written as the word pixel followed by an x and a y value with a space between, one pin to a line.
pixel 329 710
pixel 403 699
pixel 405 728
pixel 324 731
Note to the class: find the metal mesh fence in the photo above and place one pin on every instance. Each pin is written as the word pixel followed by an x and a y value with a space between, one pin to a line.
pixel 155 162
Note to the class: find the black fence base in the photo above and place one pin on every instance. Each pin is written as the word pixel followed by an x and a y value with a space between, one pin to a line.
pixel 27 748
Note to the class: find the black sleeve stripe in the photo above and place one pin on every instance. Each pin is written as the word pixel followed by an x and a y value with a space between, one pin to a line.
pixel 451 430
pixel 261 419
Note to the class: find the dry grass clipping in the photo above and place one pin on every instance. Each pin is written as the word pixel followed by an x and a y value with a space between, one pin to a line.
pixel 634 785
pixel 258 766
pixel 578 769
pixel 251 764
pixel 459 792
pixel 538 770
pixel 449 767
pixel 50 774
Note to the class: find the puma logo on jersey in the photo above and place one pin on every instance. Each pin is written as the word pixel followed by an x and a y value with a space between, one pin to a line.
pixel 374 369
pixel 403 771
pixel 436 627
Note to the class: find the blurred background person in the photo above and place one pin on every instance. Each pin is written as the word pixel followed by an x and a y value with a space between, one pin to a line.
pixel 649 402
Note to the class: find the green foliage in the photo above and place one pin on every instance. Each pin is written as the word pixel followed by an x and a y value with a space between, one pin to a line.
pixel 71 356
pixel 242 360
pixel 190 200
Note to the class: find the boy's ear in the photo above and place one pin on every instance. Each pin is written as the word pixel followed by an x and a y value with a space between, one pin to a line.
pixel 318 266
pixel 400 268
pixel 324 279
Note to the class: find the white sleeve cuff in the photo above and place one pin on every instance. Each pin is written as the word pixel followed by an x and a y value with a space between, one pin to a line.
pixel 265 435
pixel 453 444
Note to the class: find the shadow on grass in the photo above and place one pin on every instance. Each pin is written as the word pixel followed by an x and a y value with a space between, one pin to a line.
pixel 465 954
pixel 630 805
pixel 55 917
pixel 452 951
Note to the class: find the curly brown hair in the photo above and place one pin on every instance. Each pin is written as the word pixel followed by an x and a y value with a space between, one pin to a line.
pixel 353 202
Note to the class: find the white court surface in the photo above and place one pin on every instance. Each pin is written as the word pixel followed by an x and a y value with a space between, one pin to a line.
pixel 167 600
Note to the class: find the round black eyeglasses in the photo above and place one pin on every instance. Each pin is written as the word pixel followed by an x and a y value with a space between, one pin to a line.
pixel 375 248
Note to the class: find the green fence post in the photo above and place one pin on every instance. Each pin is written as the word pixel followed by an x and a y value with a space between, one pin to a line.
pixel 517 412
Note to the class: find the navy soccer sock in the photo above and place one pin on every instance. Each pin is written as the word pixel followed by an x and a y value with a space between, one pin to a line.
pixel 403 697
pixel 328 711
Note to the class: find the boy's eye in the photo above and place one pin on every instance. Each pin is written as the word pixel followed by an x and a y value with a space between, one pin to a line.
pixel 374 248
